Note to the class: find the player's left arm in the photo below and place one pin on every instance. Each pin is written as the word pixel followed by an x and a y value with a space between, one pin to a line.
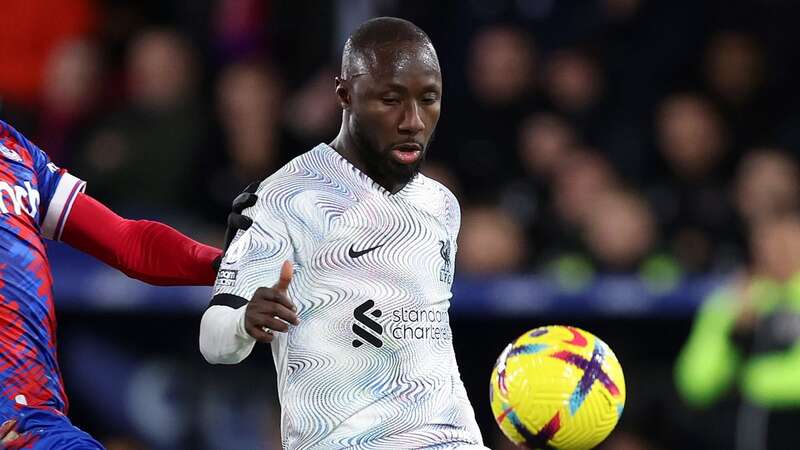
pixel 148 251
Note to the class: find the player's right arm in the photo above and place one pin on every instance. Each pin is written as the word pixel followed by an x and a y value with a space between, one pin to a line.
pixel 228 333
pixel 251 292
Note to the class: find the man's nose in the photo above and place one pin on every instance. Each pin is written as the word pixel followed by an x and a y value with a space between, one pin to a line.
pixel 412 121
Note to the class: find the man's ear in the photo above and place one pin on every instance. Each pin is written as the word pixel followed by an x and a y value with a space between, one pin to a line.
pixel 343 93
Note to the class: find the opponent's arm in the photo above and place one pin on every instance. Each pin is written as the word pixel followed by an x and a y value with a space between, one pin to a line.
pixel 149 251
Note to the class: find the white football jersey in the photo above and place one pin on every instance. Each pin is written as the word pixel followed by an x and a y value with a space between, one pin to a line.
pixel 371 365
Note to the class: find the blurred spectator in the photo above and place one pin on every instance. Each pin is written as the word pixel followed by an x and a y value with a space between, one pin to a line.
pixel 490 242
pixel 573 81
pixel 239 28
pixel 767 185
pixel 596 226
pixel 249 101
pixel 480 143
pixel 502 65
pixel 734 67
pixel 313 113
pixel 160 70
pixel 579 181
pixel 746 339
pixel 146 154
pixel 69 97
pixel 545 141
pixel 574 85
pixel 691 136
pixel 734 71
pixel 690 192
pixel 620 231
pixel 619 235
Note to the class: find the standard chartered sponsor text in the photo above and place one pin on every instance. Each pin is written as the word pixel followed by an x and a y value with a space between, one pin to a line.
pixel 419 324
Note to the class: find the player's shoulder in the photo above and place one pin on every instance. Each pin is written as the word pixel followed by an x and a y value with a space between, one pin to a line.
pixel 308 172
pixel 7 132
pixel 6 128
pixel 442 201
pixel 439 191
pixel 14 146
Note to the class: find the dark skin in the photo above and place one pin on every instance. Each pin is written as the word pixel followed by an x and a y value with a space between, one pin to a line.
pixel 391 105
pixel 270 309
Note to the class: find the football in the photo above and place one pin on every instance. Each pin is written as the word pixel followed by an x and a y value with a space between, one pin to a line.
pixel 557 387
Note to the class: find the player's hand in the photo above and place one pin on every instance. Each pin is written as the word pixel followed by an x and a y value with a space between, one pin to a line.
pixel 271 310
pixel 7 433
pixel 236 220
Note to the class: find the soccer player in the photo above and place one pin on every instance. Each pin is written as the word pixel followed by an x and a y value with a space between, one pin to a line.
pixel 39 200
pixel 347 269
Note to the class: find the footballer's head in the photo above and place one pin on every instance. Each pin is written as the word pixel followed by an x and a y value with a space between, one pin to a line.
pixel 390 89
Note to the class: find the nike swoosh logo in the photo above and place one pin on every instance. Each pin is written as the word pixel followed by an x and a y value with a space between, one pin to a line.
pixel 359 253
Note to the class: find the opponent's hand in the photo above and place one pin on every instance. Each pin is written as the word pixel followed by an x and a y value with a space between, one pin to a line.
pixel 271 309
pixel 236 220
pixel 7 433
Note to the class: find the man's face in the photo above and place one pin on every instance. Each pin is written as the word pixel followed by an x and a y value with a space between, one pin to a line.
pixel 394 110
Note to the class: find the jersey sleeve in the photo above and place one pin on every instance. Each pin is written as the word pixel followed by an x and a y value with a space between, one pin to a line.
pixel 253 260
pixel 57 188
pixel 255 256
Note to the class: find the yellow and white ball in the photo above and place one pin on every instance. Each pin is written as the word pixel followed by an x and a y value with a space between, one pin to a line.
pixel 557 387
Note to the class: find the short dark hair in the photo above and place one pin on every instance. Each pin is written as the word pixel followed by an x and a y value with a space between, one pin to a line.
pixel 375 34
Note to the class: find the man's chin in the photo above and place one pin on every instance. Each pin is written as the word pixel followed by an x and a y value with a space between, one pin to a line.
pixel 406 172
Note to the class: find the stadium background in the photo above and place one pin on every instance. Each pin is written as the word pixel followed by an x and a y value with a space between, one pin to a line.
pixel 608 155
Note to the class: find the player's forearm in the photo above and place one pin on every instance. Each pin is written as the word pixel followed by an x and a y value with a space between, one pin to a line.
pixel 706 366
pixel 149 251
pixel 223 339
pixel 772 380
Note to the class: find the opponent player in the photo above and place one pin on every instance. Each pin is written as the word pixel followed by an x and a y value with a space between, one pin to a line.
pixel 360 331
pixel 38 199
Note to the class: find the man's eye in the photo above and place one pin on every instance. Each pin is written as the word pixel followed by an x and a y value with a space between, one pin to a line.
pixel 429 100
pixel 391 100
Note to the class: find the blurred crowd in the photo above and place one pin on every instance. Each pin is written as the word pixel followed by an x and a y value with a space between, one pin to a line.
pixel 581 136
pixel 653 137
